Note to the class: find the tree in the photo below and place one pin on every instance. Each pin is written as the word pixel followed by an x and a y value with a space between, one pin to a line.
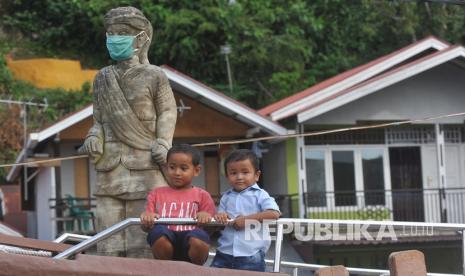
pixel 279 47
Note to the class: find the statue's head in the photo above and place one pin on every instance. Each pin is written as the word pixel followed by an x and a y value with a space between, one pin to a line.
pixel 129 21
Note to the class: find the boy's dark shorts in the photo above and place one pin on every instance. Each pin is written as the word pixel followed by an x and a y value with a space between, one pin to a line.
pixel 179 239
pixel 255 262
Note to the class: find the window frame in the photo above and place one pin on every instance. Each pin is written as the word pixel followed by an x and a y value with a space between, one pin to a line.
pixel 358 167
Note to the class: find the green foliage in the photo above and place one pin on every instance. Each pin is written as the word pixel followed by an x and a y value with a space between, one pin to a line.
pixel 6 78
pixel 66 28
pixel 279 47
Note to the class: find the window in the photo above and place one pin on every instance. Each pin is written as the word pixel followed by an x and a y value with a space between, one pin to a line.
pixel 373 176
pixel 316 181
pixel 344 178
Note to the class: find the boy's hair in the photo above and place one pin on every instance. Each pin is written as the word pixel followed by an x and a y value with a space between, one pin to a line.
pixel 186 149
pixel 241 155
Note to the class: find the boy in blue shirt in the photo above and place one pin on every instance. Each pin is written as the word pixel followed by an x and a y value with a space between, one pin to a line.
pixel 244 201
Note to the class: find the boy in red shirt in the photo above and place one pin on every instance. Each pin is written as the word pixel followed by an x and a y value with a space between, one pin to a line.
pixel 179 200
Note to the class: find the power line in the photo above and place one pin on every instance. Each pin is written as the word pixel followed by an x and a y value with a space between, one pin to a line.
pixel 24 105
pixel 10 101
pixel 315 133
pixel 272 137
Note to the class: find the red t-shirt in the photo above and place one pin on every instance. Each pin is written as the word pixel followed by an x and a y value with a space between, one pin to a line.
pixel 172 203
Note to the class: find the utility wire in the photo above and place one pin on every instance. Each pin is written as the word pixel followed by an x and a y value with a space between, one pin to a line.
pixel 272 137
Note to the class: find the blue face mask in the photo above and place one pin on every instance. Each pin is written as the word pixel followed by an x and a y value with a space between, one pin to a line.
pixel 120 47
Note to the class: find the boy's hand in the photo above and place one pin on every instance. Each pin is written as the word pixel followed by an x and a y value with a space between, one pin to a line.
pixel 221 218
pixel 239 223
pixel 147 219
pixel 203 217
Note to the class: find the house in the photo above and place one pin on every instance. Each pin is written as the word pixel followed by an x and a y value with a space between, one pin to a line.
pixel 410 172
pixel 403 172
pixel 205 115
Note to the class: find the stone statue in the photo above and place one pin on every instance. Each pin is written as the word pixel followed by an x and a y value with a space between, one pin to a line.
pixel 134 121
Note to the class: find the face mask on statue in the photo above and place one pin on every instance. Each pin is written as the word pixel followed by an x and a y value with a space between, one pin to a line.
pixel 120 47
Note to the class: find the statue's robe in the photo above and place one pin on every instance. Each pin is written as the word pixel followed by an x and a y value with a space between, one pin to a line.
pixel 130 112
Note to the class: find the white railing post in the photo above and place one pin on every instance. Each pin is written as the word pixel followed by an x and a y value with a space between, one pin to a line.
pixel 98 237
pixel 301 172
pixel 441 156
pixel 278 245
pixel 463 251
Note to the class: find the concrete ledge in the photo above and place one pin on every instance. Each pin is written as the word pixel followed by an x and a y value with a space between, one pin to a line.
pixel 12 264
pixel 407 263
pixel 33 243
pixel 337 270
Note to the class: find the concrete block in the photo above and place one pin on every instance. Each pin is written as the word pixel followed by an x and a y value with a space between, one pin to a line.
pixel 407 263
pixel 337 270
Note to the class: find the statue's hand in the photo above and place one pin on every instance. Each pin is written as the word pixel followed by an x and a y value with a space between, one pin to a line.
pixel 159 152
pixel 94 147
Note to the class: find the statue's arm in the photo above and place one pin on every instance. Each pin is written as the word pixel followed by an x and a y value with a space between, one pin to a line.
pixel 165 106
pixel 93 144
pixel 96 130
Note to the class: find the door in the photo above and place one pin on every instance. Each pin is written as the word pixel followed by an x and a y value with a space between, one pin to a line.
pixel 431 193
pixel 406 182
pixel 454 192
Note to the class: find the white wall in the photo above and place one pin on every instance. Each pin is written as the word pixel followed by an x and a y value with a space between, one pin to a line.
pixel 224 184
pixel 455 178
pixel 274 175
pixel 199 181
pixel 45 189
pixel 455 175
pixel 92 177
pixel 67 169
pixel 435 92
pixel 31 224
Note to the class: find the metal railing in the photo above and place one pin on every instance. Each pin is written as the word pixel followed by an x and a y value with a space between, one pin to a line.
pixel 347 223
pixel 288 204
pixel 119 227
pixel 71 237
pixel 277 263
pixel 292 265
pixel 425 205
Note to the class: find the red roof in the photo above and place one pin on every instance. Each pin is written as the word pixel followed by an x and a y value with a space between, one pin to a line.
pixel 386 74
pixel 326 83
pixel 164 66
pixel 167 67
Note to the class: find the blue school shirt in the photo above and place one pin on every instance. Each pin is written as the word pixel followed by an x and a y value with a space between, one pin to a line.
pixel 249 201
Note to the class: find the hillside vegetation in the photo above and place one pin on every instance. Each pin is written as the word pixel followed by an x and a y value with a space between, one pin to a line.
pixel 279 47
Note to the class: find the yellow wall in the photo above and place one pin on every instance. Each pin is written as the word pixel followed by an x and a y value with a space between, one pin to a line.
pixel 51 73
